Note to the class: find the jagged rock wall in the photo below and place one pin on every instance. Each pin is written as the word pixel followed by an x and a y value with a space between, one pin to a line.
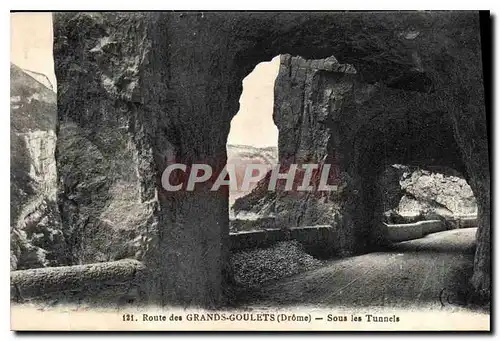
pixel 164 87
pixel 304 132
pixel 135 91
pixel 303 111
pixel 306 135
pixel 107 191
pixel 465 103
pixel 37 238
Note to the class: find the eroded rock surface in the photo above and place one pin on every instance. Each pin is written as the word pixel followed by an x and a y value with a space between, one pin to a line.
pixel 428 191
pixel 107 193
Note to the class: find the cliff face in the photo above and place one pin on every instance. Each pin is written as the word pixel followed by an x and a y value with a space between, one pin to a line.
pixel 37 238
pixel 137 91
pixel 107 193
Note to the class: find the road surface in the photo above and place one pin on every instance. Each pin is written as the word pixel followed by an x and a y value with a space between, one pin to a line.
pixel 412 273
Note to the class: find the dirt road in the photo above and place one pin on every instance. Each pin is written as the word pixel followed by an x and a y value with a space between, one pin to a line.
pixel 412 273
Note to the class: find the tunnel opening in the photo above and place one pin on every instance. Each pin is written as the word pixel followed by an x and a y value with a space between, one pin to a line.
pixel 305 138
pixel 253 136
pixel 411 169
pixel 392 145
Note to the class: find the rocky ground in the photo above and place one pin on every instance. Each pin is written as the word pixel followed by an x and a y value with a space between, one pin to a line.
pixel 254 268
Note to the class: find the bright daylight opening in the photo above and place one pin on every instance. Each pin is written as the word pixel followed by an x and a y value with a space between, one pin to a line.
pixel 253 138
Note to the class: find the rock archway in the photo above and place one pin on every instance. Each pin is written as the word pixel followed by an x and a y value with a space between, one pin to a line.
pixel 137 91
pixel 327 114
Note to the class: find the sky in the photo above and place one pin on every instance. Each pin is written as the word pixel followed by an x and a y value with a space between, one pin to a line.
pixel 31 49
pixel 31 43
pixel 253 124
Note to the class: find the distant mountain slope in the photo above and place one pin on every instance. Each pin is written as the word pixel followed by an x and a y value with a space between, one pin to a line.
pixel 41 78
pixel 241 155
pixel 36 235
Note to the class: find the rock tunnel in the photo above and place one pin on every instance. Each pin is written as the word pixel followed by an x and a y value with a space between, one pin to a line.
pixel 360 127
pixel 137 91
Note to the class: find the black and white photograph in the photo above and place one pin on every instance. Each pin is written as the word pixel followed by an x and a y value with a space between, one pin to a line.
pixel 251 170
